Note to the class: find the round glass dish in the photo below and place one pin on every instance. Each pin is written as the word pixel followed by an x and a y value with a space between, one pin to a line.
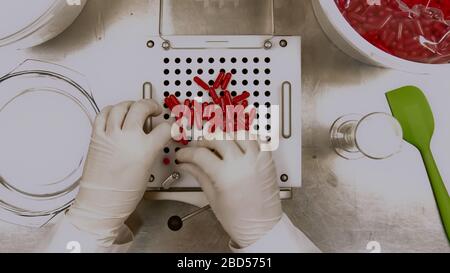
pixel 414 30
pixel 25 23
pixel 46 118
pixel 345 37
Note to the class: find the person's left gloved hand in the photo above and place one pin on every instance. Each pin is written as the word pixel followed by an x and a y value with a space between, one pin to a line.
pixel 117 168
pixel 240 183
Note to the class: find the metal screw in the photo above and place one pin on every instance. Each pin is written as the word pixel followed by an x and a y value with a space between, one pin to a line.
pixel 268 44
pixel 166 45
pixel 284 178
pixel 170 180
pixel 152 178
pixel 283 43
pixel 176 175
pixel 150 43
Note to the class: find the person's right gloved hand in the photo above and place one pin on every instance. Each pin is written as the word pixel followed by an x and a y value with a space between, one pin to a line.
pixel 117 168
pixel 239 181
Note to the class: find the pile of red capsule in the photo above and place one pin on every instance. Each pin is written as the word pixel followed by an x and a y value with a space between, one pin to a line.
pixel 223 101
pixel 415 30
pixel 442 5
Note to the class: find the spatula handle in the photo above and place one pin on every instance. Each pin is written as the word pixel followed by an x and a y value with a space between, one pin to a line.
pixel 439 190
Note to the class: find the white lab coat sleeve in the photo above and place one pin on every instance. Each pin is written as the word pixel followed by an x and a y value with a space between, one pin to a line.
pixel 283 238
pixel 67 238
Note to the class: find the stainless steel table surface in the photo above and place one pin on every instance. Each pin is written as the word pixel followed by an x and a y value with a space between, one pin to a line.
pixel 342 206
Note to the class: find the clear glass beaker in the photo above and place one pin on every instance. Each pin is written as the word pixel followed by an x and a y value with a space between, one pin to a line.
pixel 376 136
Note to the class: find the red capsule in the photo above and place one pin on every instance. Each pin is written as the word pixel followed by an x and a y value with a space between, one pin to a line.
pixel 358 18
pixel 175 100
pixel 219 80
pixel 187 103
pixel 223 106
pixel 214 96
pixel 244 103
pixel 226 81
pixel 166 161
pixel 247 123
pixel 227 98
pixel 201 83
pixel 171 102
pixel 168 102
pixel 183 142
pixel 192 118
pixel 245 95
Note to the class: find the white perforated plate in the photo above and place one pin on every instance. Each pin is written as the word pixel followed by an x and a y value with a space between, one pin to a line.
pixel 262 72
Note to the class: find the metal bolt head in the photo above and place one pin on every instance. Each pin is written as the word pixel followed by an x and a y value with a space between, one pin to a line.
pixel 176 175
pixel 268 44
pixel 150 43
pixel 152 178
pixel 284 178
pixel 283 43
pixel 166 45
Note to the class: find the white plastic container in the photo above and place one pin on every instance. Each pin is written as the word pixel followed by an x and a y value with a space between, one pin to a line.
pixel 351 42
pixel 25 23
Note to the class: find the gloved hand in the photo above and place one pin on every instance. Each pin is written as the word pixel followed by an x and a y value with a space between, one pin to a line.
pixel 239 181
pixel 117 168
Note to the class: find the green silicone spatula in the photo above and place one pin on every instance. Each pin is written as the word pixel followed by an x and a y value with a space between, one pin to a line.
pixel 411 108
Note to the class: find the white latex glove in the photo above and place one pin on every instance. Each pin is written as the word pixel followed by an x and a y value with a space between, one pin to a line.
pixel 117 168
pixel 240 184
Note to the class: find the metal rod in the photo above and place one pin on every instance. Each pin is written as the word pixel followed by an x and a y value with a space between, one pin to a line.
pixel 195 213
pixel 176 222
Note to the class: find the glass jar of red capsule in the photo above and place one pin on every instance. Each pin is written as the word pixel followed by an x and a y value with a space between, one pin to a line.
pixel 414 30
